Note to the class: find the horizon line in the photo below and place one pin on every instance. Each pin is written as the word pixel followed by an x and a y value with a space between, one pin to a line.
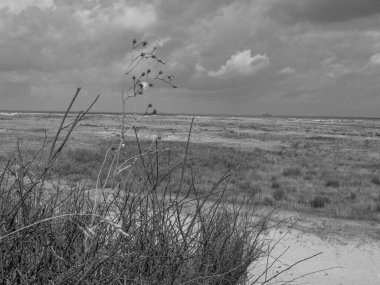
pixel 267 115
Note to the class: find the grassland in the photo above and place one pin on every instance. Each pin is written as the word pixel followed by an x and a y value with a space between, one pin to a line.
pixel 151 220
pixel 328 167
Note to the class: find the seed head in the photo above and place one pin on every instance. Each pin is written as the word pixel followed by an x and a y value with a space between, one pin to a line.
pixel 143 85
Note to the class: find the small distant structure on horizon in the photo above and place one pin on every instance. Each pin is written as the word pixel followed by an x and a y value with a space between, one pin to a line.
pixel 267 114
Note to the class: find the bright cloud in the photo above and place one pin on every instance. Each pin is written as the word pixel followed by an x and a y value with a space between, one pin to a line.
pixel 375 60
pixel 287 70
pixel 119 16
pixel 372 66
pixel 241 63
pixel 18 6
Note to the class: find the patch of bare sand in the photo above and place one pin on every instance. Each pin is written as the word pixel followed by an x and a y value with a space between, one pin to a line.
pixel 229 142
pixel 350 251
pixel 214 139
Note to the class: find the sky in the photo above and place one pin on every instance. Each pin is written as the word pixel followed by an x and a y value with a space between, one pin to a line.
pixel 242 57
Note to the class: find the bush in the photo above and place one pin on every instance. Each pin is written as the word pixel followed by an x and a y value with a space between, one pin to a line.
pixel 279 194
pixel 310 173
pixel 275 185
pixel 375 180
pixel 292 171
pixel 352 196
pixel 267 201
pixel 319 202
pixel 333 183
pixel 256 189
pixel 247 188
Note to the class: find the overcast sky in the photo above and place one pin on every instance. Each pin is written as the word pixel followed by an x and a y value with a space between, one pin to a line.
pixel 290 57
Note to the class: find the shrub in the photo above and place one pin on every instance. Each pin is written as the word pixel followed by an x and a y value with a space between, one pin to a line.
pixel 279 194
pixel 292 171
pixel 319 202
pixel 268 201
pixel 352 196
pixel 333 183
pixel 310 173
pixel 275 185
pixel 244 186
pixel 248 188
pixel 375 180
pixel 256 189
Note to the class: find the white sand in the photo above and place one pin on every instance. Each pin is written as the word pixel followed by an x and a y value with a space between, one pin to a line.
pixel 347 256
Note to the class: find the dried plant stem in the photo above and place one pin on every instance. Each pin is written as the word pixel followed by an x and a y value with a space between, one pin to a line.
pixel 185 158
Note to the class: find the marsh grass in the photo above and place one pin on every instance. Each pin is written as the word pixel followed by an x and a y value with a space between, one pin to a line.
pixel 249 169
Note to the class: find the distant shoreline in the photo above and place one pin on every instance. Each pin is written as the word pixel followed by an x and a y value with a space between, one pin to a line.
pixel 266 115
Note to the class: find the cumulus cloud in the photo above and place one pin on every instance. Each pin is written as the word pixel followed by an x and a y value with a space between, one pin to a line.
pixel 287 70
pixel 240 64
pixel 323 11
